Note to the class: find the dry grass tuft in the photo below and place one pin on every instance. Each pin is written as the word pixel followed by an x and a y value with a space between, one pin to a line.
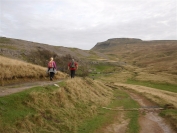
pixel 88 90
pixel 158 78
pixel 19 71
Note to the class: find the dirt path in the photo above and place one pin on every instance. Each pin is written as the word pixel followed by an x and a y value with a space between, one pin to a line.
pixel 152 93
pixel 150 122
pixel 10 89
pixel 119 126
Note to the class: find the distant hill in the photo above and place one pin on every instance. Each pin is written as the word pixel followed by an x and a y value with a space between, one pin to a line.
pixel 110 44
pixel 114 42
pixel 155 56
pixel 38 53
pixel 21 49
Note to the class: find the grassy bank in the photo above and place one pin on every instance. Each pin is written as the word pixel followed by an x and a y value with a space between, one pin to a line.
pixel 161 86
pixel 16 71
pixel 74 107
pixel 53 109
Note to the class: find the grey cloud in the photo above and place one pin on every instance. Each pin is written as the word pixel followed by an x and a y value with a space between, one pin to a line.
pixel 84 23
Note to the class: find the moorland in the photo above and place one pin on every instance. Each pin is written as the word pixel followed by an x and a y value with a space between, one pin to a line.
pixel 109 75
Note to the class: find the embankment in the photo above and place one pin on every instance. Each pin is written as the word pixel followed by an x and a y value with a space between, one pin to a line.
pixel 16 71
pixel 51 108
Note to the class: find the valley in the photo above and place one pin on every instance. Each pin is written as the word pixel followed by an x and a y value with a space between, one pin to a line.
pixel 118 74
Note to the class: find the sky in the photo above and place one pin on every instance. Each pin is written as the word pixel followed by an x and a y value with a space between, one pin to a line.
pixel 83 23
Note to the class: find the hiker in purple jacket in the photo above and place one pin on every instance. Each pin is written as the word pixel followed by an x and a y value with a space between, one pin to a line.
pixel 52 68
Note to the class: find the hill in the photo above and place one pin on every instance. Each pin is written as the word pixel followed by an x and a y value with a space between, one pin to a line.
pixel 156 57
pixel 149 60
pixel 38 53
pixel 72 104
pixel 110 43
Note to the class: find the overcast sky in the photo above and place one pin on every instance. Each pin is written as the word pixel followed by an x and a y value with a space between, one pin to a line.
pixel 83 23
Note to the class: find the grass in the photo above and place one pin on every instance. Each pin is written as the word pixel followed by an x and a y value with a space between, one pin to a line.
pixel 133 126
pixel 91 125
pixel 112 56
pixel 161 86
pixel 52 109
pixel 159 96
pixel 13 106
pixel 8 47
pixel 171 115
pixel 166 99
pixel 106 117
pixel 104 68
pixel 15 71
pixel 106 72
pixel 62 84
pixel 4 40
pixel 93 55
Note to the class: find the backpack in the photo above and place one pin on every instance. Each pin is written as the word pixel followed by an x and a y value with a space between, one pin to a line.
pixel 50 64
pixel 72 65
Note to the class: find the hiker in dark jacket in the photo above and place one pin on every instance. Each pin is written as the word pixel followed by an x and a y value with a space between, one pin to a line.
pixel 72 66
pixel 52 68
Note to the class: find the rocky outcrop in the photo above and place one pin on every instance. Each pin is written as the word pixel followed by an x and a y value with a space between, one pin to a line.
pixel 115 41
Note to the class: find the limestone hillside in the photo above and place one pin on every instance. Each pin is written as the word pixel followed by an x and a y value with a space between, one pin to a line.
pixel 38 53
pixel 154 56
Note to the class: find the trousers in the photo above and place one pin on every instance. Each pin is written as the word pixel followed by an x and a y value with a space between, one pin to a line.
pixel 72 73
pixel 52 75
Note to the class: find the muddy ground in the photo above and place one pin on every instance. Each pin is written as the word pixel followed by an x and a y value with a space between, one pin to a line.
pixel 9 89
pixel 149 120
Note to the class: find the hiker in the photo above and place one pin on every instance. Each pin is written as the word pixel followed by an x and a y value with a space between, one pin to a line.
pixel 52 68
pixel 72 66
